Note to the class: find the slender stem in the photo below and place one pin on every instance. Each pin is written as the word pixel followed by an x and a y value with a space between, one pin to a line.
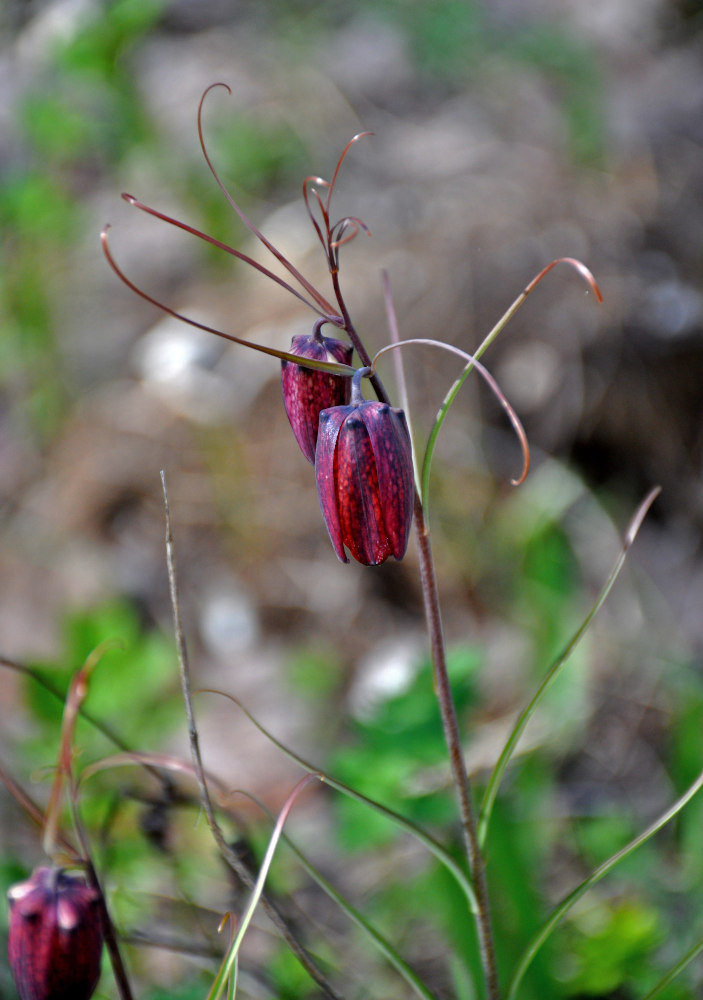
pixel 430 594
pixel 452 738
pixel 671 975
pixel 350 329
pixel 118 967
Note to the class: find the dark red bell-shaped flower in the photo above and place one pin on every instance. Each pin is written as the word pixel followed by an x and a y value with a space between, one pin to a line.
pixel 306 392
pixel 55 938
pixel 365 483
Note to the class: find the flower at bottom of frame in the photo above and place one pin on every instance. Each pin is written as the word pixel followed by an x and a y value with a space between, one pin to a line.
pixel 55 936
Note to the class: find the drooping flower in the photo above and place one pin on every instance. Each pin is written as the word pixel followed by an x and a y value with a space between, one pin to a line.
pixel 365 484
pixel 306 391
pixel 55 937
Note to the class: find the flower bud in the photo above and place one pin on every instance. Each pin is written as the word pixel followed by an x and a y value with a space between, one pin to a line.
pixel 55 937
pixel 365 484
pixel 306 392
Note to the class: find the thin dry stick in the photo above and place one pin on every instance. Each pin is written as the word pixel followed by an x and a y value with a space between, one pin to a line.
pixel 235 863
pixel 118 967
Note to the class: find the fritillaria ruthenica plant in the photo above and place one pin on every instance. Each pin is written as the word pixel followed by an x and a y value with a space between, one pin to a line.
pixel 55 937
pixel 368 485
pixel 376 524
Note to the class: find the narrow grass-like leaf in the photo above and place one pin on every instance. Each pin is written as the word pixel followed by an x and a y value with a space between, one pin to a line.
pixel 600 872
pixel 480 350
pixel 381 943
pixel 677 969
pixel 230 960
pixel 473 362
pixel 400 821
pixel 555 669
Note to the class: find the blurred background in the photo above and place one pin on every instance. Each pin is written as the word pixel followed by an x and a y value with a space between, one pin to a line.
pixel 506 134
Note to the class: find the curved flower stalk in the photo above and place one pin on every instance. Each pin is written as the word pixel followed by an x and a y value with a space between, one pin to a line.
pixel 331 234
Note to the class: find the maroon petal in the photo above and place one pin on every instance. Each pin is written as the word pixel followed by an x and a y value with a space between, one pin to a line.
pixel 358 498
pixel 331 421
pixel 390 444
pixel 55 937
pixel 307 392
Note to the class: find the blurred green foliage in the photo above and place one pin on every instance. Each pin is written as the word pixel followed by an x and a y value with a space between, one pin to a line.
pixel 616 943
pixel 626 932
pixel 456 42
pixel 134 687
pixel 81 116
pixel 390 755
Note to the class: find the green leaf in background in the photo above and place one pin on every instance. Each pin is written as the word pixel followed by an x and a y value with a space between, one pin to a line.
pixel 134 688
pixel 314 672
pixel 192 990
pixel 103 37
pixel 397 752
pixel 33 206
pixel 614 943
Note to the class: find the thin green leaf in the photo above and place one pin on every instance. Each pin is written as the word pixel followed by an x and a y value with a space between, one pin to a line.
pixel 383 945
pixel 228 965
pixel 493 385
pixel 555 669
pixel 682 964
pixel 480 350
pixel 600 872
pixel 417 832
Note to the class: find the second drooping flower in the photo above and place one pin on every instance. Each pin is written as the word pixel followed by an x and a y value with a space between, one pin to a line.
pixel 365 483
